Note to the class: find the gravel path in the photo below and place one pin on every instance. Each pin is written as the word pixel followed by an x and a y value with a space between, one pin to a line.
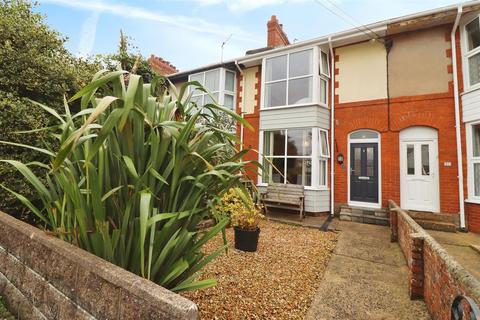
pixel 276 282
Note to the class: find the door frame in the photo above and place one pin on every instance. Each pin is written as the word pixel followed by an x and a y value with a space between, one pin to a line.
pixel 428 135
pixel 379 166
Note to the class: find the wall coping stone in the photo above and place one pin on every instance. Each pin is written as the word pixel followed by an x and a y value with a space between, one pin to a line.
pixel 157 298
pixel 458 272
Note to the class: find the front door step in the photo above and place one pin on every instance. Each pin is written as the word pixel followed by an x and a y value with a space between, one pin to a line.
pixel 435 221
pixel 365 215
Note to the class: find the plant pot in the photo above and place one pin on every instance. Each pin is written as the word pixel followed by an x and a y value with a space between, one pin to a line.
pixel 246 240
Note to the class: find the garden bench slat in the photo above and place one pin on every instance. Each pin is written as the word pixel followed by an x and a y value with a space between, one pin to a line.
pixel 285 196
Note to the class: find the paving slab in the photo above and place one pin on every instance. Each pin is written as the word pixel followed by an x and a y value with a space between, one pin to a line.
pixel 366 278
pixel 461 246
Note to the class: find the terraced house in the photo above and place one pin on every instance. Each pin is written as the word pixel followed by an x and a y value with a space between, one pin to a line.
pixel 389 110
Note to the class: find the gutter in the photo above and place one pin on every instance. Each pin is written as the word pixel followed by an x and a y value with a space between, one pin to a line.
pixel 461 196
pixel 242 106
pixel 332 128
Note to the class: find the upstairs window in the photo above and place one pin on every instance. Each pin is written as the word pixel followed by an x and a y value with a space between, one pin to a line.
pixel 221 85
pixel 290 79
pixel 472 51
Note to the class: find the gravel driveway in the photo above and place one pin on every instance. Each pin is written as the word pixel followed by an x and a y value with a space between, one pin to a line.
pixel 276 282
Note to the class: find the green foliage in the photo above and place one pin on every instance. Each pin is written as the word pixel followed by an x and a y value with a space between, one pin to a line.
pixel 126 59
pixel 134 176
pixel 4 314
pixel 240 208
pixel 33 64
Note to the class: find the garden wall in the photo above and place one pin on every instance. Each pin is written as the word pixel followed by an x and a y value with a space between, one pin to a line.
pixel 42 277
pixel 434 275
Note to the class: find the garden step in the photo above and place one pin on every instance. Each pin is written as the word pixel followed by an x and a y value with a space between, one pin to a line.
pixel 359 216
pixel 437 225
pixel 440 217
pixel 475 248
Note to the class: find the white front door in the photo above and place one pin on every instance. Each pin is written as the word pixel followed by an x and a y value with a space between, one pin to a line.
pixel 419 169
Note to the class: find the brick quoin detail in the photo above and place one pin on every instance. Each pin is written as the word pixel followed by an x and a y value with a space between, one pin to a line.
pixel 416 274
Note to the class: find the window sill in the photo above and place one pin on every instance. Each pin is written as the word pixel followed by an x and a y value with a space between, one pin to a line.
pixel 468 90
pixel 474 201
pixel 322 105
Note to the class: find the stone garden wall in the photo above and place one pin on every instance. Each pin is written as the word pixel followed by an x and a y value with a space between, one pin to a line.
pixel 434 275
pixel 42 277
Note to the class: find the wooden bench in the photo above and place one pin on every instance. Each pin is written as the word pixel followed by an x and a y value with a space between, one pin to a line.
pixel 287 196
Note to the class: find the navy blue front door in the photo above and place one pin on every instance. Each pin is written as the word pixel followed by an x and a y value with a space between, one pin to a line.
pixel 364 172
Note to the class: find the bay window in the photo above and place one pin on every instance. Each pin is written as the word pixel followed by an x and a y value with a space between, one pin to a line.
pixel 473 149
pixel 472 52
pixel 295 156
pixel 290 79
pixel 221 85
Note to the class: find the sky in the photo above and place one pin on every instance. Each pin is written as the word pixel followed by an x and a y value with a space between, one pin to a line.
pixel 190 33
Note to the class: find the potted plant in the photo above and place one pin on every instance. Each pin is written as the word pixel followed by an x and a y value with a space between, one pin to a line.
pixel 245 222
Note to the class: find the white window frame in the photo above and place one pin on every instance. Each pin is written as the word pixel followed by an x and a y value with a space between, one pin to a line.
pixel 471 161
pixel 466 54
pixel 315 157
pixel 317 73
pixel 221 87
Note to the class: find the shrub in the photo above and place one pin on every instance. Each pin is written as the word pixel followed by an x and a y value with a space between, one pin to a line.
pixel 240 208
pixel 134 177
pixel 34 64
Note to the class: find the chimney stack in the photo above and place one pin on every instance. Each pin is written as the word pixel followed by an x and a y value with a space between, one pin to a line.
pixel 276 36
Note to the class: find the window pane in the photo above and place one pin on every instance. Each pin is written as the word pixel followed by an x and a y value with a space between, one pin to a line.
pixel 370 162
pixel 474 69
pixel 276 68
pixel 473 34
pixel 324 63
pixel 322 171
pixel 278 170
pixel 274 143
pixel 425 160
pixel 476 178
pixel 276 94
pixel 198 100
pixel 267 170
pixel 228 101
pixel 212 80
pixel 476 140
pixel 209 100
pixel 323 91
pixel 300 63
pixel 299 142
pixel 300 91
pixel 410 159
pixel 364 135
pixel 357 163
pixel 324 152
pixel 197 77
pixel 299 171
pixel 229 81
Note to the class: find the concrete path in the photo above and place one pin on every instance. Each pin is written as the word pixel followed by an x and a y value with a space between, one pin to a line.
pixel 365 279
pixel 459 245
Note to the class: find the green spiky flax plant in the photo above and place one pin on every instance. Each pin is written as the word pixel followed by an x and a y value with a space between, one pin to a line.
pixel 135 174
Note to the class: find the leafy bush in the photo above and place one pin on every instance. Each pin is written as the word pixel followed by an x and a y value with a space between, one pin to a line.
pixel 4 314
pixel 134 176
pixel 240 208
pixel 34 64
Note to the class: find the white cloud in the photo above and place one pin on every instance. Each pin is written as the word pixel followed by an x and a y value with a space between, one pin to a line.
pixel 183 22
pixel 245 5
pixel 88 33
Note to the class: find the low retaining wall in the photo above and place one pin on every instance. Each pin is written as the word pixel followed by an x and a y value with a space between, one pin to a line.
pixel 434 275
pixel 42 277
